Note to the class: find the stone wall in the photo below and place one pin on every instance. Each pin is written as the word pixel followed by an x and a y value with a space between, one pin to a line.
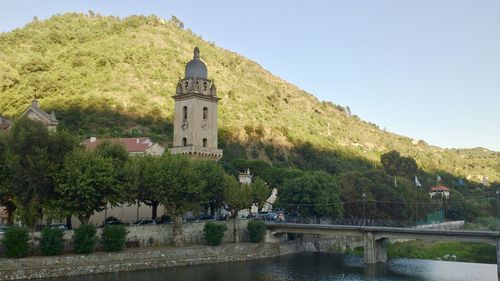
pixel 161 234
pixel 71 265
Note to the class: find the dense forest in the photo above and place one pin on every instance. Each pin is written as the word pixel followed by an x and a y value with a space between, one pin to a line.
pixel 107 76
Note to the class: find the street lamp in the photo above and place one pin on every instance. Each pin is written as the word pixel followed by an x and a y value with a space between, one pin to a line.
pixel 364 210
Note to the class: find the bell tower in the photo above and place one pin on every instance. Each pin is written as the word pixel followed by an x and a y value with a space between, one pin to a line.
pixel 195 116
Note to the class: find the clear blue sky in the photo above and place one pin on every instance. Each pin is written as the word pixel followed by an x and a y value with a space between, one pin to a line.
pixel 427 69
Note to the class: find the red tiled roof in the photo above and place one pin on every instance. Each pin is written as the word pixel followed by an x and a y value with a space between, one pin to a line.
pixel 439 188
pixel 130 144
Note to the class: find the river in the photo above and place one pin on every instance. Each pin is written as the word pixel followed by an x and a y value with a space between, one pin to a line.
pixel 309 267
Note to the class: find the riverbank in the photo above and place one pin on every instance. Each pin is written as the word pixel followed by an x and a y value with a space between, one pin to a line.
pixel 449 251
pixel 138 259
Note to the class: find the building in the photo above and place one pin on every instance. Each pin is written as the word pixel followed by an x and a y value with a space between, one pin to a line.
pixel 34 112
pixel 134 146
pixel 440 190
pixel 195 113
pixel 4 123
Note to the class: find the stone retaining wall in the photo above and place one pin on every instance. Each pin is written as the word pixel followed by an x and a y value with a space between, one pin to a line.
pixel 71 265
pixel 161 234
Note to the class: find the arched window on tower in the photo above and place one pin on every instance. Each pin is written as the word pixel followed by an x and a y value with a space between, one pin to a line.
pixel 184 142
pixel 186 85
pixel 205 113
pixel 205 85
pixel 185 112
pixel 205 142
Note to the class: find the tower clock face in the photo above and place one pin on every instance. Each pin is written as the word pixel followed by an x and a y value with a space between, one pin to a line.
pixel 204 125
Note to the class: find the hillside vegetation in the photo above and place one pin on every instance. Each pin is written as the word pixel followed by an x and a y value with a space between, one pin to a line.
pixel 106 76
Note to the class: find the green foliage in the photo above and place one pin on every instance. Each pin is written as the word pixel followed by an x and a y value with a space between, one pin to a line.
pixel 464 252
pixel 237 197
pixel 84 239
pixel 51 241
pixel 256 230
pixel 214 233
pixel 318 190
pixel 396 165
pixel 16 242
pixel 86 184
pixel 114 237
pixel 260 192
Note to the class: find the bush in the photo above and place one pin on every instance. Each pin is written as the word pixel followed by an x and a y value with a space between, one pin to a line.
pixel 214 233
pixel 16 242
pixel 51 241
pixel 113 238
pixel 84 239
pixel 256 229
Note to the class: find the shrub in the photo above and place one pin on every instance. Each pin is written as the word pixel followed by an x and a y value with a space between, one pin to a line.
pixel 113 237
pixel 84 239
pixel 51 241
pixel 16 242
pixel 214 233
pixel 256 229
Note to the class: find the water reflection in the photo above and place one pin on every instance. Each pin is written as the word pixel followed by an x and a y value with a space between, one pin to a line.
pixel 310 267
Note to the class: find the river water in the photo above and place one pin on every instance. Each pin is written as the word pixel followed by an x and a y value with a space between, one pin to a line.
pixel 309 267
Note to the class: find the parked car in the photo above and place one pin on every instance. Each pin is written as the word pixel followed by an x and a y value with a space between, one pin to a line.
pixel 58 226
pixel 205 218
pixel 113 223
pixel 144 222
pixel 3 229
pixel 262 215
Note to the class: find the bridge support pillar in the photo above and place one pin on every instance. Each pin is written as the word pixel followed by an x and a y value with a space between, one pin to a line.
pixel 498 258
pixel 375 249
pixel 273 238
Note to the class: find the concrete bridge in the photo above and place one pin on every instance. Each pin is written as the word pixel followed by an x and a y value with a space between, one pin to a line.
pixel 375 238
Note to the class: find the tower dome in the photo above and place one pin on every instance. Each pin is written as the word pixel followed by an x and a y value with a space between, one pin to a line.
pixel 196 67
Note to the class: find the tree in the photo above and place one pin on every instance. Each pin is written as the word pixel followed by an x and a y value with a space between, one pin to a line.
pixel 118 156
pixel 86 184
pixel 143 181
pixel 29 142
pixel 213 176
pixel 6 196
pixel 397 165
pixel 390 161
pixel 315 194
pixel 180 190
pixel 236 198
pixel 260 192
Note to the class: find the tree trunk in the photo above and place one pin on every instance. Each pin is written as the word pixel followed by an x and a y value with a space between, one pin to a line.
pixel 177 230
pixel 10 214
pixel 68 222
pixel 154 210
pixel 84 219
pixel 236 229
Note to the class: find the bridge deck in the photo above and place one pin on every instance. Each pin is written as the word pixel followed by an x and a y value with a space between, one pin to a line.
pixel 386 232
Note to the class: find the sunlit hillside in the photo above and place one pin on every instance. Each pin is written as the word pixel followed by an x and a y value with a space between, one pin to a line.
pixel 108 76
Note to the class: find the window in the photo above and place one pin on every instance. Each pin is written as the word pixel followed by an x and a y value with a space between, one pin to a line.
pixel 184 142
pixel 205 113
pixel 204 142
pixel 185 112
pixel 205 85
pixel 186 84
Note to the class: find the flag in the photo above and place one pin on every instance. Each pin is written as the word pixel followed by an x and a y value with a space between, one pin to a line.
pixel 417 182
pixel 438 179
pixel 395 183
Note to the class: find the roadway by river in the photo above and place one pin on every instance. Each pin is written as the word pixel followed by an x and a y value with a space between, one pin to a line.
pixel 310 267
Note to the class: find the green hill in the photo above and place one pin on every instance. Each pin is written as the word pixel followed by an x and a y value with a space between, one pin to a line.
pixel 108 76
